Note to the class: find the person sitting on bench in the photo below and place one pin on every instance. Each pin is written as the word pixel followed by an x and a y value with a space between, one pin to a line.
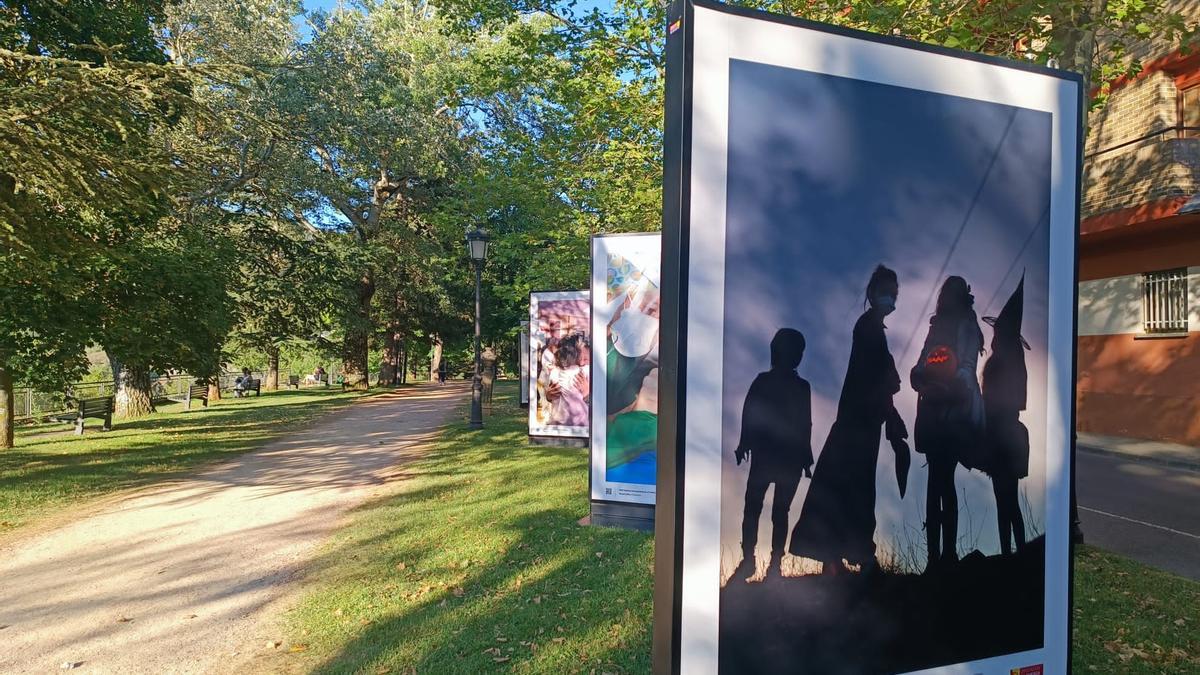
pixel 242 383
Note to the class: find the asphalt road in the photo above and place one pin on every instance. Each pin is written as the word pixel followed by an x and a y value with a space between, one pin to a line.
pixel 1144 511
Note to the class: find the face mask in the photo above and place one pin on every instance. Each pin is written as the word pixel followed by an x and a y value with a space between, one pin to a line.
pixel 885 304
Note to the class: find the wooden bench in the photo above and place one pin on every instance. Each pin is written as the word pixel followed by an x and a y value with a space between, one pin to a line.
pixel 252 385
pixel 99 408
pixel 195 391
pixel 294 381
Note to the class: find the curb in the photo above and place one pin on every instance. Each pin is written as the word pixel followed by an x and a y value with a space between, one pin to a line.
pixel 1144 459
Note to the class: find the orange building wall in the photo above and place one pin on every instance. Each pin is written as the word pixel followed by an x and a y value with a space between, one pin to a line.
pixel 1147 388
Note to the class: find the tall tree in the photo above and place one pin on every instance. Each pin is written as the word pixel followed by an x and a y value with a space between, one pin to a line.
pixel 164 306
pixel 284 288
pixel 77 119
pixel 374 129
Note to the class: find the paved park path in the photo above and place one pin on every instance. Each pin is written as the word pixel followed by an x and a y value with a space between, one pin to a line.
pixel 184 576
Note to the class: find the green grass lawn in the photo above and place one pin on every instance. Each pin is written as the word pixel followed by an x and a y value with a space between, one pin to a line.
pixel 477 564
pixel 51 468
pixel 1130 618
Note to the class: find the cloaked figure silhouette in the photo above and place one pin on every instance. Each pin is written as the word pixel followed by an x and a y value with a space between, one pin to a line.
pixel 1005 381
pixel 838 518
pixel 949 410
pixel 776 439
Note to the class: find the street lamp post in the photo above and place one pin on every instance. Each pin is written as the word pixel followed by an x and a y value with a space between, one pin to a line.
pixel 477 246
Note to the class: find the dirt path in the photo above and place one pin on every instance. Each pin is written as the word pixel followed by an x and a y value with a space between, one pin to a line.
pixel 180 577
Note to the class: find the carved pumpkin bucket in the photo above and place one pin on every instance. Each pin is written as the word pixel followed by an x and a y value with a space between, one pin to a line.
pixel 941 362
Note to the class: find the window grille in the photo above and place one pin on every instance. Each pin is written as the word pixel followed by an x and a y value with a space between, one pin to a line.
pixel 1189 112
pixel 1165 301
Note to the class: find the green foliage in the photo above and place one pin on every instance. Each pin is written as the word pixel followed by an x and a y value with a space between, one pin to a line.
pixel 73 29
pixel 163 303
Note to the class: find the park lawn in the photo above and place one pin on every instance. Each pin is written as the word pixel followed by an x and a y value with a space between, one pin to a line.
pixel 476 563
pixel 1130 618
pixel 51 468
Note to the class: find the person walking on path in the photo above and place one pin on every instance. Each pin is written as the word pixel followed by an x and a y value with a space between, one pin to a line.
pixel 442 371
pixel 950 412
pixel 776 440
pixel 837 521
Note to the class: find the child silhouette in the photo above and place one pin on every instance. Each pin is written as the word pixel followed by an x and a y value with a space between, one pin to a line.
pixel 777 441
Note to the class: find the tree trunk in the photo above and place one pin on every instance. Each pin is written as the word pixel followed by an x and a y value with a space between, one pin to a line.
pixel 354 361
pixel 214 389
pixel 133 392
pixel 435 361
pixel 272 382
pixel 387 370
pixel 404 363
pixel 8 408
pixel 354 345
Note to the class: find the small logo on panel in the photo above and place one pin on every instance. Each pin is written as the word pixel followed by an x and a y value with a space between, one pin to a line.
pixel 674 26
pixel 1027 670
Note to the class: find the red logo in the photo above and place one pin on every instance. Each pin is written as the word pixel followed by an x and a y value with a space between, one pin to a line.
pixel 1027 670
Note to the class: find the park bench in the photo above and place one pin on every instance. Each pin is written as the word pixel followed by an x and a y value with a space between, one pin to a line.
pixel 195 391
pixel 252 386
pixel 99 408
pixel 294 381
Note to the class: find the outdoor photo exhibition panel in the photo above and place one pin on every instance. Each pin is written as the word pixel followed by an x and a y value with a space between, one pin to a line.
pixel 625 285
pixel 559 357
pixel 867 353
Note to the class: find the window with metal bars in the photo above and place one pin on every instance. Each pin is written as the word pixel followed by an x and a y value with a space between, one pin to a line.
pixel 1189 112
pixel 1165 301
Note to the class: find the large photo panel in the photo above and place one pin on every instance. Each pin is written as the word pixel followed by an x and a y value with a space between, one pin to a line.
pixel 626 288
pixel 877 286
pixel 559 364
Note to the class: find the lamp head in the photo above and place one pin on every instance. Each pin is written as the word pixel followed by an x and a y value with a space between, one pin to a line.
pixel 477 244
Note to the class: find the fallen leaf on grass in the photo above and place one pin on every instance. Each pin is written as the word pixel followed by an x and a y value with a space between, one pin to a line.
pixel 71 665
pixel 274 644
pixel 501 659
pixel 459 591
pixel 560 639
pixel 124 619
pixel 1178 622
pixel 298 648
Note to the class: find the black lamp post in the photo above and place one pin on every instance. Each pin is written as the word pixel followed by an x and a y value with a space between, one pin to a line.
pixel 477 247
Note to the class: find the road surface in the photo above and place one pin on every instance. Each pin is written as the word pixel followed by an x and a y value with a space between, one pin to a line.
pixel 1144 511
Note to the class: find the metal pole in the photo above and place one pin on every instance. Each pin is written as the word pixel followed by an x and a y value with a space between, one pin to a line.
pixel 477 381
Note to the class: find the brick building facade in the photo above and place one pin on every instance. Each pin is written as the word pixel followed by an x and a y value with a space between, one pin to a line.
pixel 1139 254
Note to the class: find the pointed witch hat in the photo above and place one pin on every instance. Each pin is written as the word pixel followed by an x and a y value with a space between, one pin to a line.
pixel 1009 321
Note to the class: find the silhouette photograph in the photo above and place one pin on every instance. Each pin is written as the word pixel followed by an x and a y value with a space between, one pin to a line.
pixel 885 377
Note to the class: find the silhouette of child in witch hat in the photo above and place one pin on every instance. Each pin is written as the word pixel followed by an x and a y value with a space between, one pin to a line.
pixel 1005 380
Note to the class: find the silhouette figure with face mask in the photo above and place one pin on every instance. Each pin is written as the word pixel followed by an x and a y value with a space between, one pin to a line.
pixel 837 521
pixel 1005 381
pixel 949 410
pixel 776 440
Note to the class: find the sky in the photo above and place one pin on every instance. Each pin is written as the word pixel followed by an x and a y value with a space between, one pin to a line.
pixel 821 189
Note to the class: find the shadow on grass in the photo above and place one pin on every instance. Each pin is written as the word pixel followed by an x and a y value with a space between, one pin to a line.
pixel 477 565
pixel 45 470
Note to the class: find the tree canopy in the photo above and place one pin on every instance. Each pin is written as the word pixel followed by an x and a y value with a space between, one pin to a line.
pixel 186 182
